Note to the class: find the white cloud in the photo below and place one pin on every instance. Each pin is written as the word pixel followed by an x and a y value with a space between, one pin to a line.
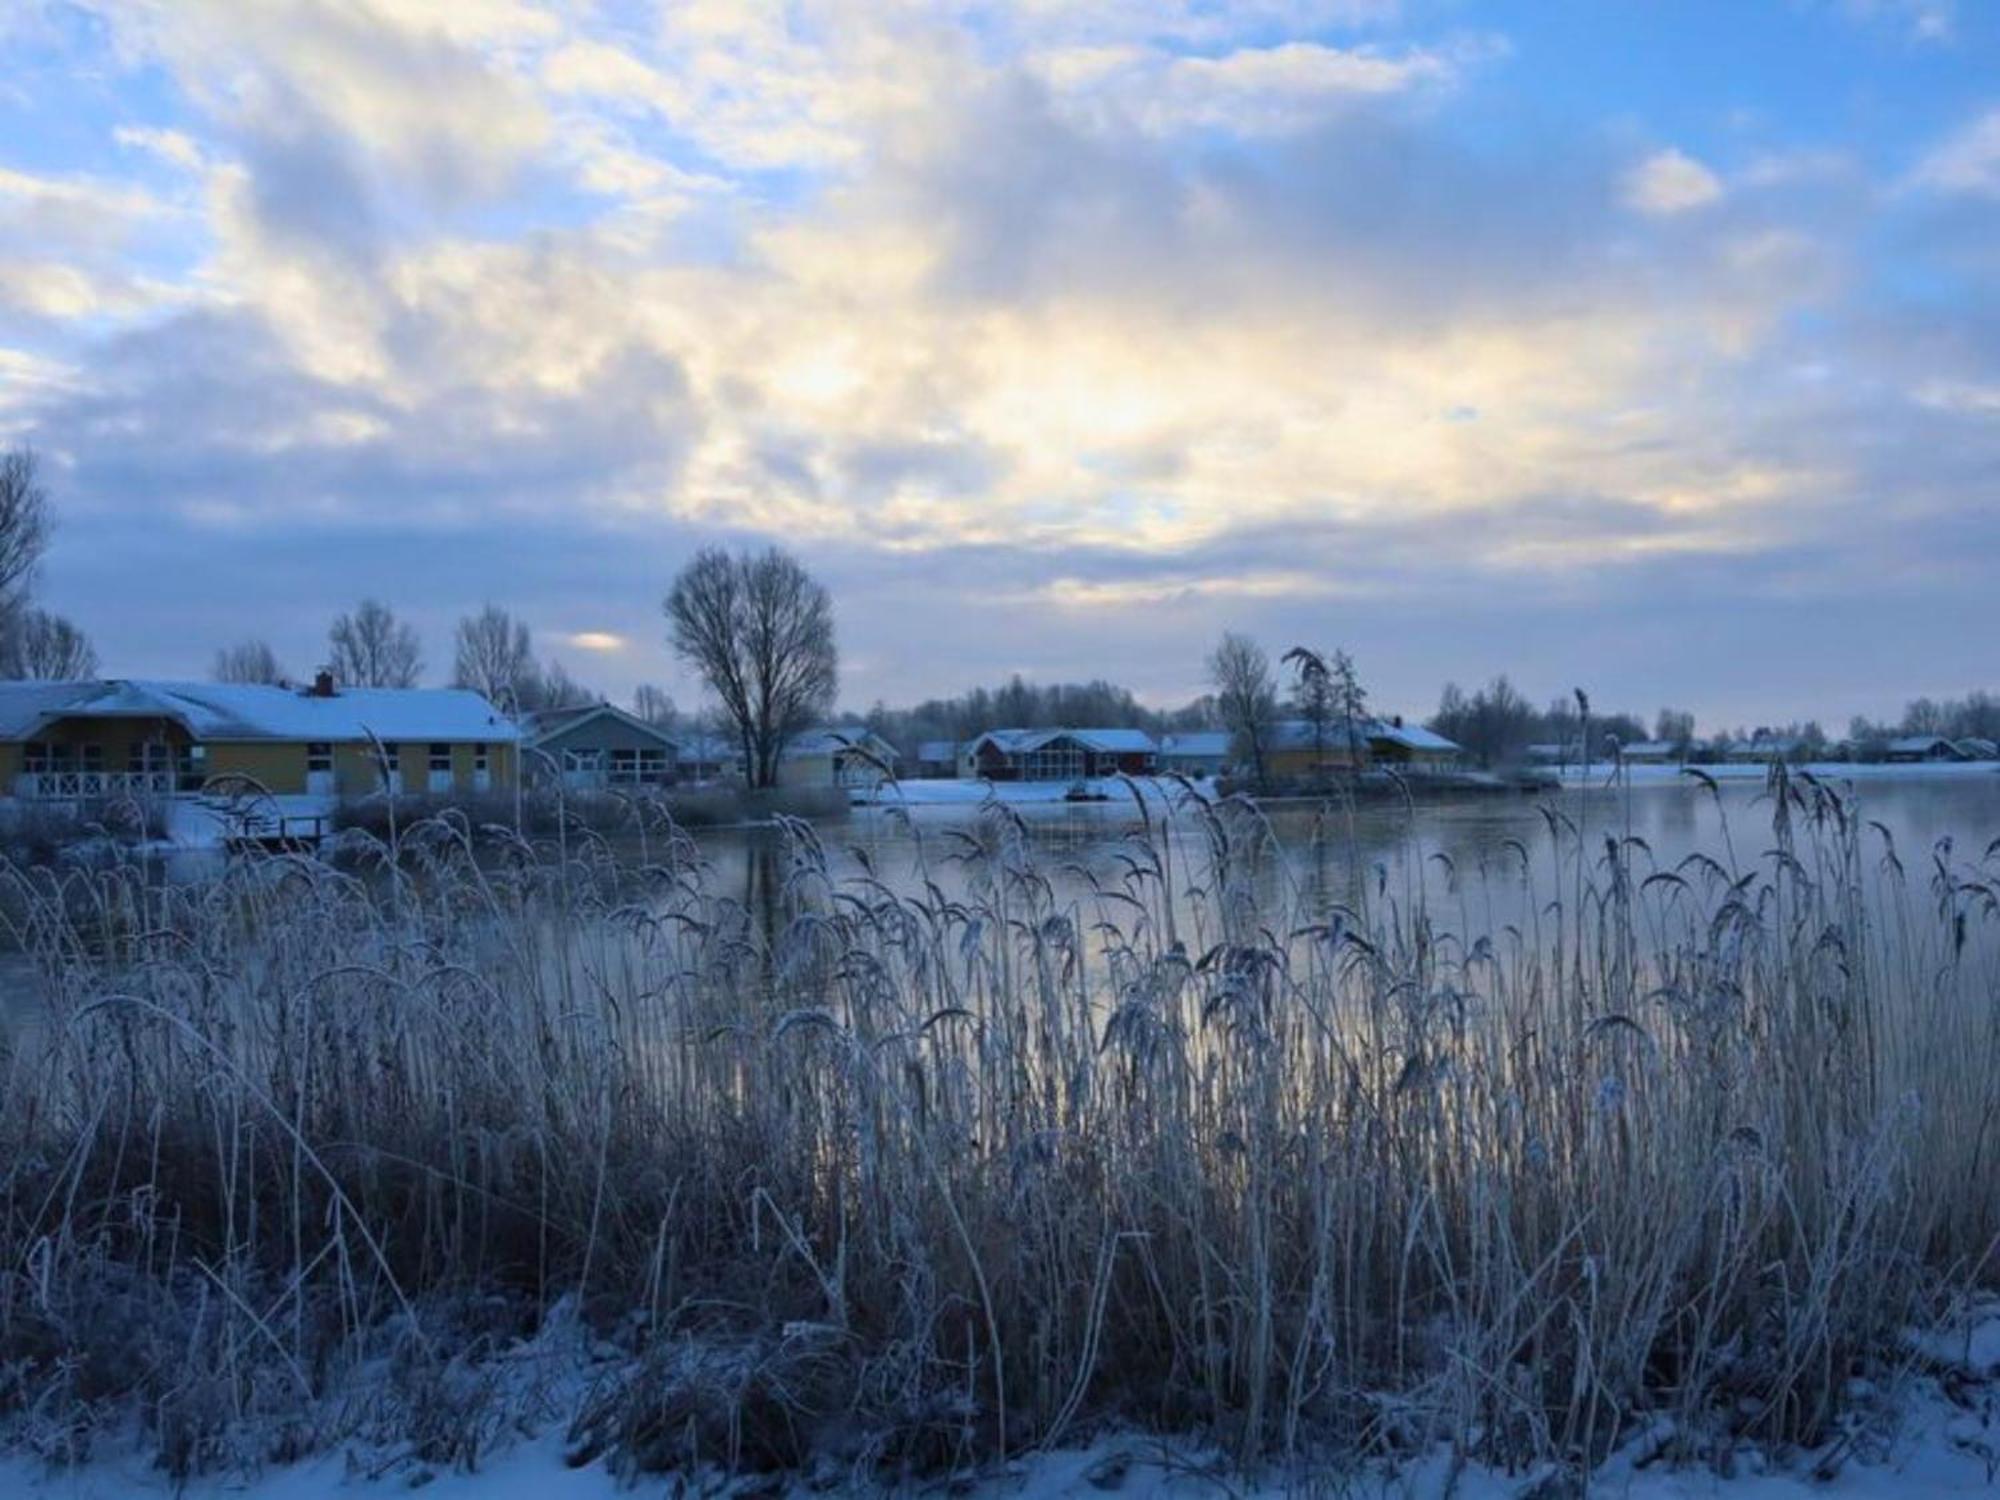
pixel 1968 397
pixel 175 147
pixel 1670 182
pixel 1967 162
pixel 597 640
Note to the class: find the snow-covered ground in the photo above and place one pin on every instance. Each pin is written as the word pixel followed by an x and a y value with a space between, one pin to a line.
pixel 1938 1449
pixel 1936 1436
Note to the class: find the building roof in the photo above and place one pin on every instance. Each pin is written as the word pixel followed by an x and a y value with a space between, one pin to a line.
pixel 1298 734
pixel 1650 750
pixel 1104 741
pixel 1202 744
pixel 1412 737
pixel 258 711
pixel 1975 747
pixel 550 722
pixel 832 739
pixel 1916 744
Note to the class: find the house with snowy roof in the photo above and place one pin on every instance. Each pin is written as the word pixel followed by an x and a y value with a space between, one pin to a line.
pixel 842 755
pixel 83 741
pixel 599 746
pixel 1301 749
pixel 1195 752
pixel 1059 754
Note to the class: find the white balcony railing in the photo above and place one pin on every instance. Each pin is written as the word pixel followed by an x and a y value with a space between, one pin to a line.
pixel 93 786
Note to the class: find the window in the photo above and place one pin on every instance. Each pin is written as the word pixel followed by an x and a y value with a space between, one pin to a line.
pixel 92 757
pixel 479 758
pixel 319 756
pixel 441 758
pixel 37 759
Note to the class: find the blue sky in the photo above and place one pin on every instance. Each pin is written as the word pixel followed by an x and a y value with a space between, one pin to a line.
pixel 1649 346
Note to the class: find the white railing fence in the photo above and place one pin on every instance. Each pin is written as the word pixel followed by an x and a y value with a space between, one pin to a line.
pixel 94 786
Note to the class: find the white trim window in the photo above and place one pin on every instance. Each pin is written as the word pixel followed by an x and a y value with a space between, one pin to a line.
pixel 440 767
pixel 482 768
pixel 319 768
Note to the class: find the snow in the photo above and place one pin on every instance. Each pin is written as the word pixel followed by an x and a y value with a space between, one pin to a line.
pixel 1938 1449
pixel 256 711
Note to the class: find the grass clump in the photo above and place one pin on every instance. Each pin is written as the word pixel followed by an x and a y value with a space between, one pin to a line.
pixel 910 1179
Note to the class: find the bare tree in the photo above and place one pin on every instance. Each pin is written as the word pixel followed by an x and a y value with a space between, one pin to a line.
pixel 1246 697
pixel 248 661
pixel 553 687
pixel 47 648
pixel 652 704
pixel 24 523
pixel 372 648
pixel 495 656
pixel 759 628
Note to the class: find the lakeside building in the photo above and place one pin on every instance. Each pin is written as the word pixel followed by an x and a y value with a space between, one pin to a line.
pixel 596 746
pixel 937 760
pixel 1913 748
pixel 1059 754
pixel 840 755
pixel 1197 753
pixel 84 741
pixel 1302 751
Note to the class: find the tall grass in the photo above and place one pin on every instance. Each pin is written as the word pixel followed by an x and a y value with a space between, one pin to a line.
pixel 915 1177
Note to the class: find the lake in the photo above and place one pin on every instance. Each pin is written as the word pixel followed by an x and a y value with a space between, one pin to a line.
pixel 1462 855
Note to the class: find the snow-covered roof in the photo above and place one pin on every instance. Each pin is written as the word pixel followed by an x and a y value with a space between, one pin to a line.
pixel 832 739
pixel 1196 744
pixel 256 711
pixel 1650 750
pixel 1976 747
pixel 1104 741
pixel 1412 737
pixel 1916 744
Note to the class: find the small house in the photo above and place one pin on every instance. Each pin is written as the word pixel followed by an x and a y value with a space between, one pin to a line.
pixel 937 760
pixel 1059 754
pixel 1195 753
pixel 1974 747
pixel 596 747
pixel 1913 748
pixel 1410 747
pixel 83 741
pixel 843 755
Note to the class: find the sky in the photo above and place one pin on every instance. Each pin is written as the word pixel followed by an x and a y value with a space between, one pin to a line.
pixel 1649 346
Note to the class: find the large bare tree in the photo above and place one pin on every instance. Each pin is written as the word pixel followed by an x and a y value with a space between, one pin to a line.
pixel 759 629
pixel 248 661
pixel 47 648
pixel 1246 696
pixel 372 648
pixel 495 656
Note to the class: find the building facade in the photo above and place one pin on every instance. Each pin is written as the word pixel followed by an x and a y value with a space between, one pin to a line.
pixel 85 741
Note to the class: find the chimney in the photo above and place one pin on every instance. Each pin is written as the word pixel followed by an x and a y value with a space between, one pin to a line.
pixel 322 684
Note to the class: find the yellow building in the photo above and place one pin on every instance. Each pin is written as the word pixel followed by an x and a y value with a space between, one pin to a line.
pixel 82 741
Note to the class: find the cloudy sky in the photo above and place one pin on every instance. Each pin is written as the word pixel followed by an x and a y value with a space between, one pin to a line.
pixel 1653 346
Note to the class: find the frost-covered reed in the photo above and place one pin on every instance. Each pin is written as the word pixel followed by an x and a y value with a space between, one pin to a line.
pixel 924 1175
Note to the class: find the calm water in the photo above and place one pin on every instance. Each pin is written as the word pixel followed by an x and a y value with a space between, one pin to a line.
pixel 1463 854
